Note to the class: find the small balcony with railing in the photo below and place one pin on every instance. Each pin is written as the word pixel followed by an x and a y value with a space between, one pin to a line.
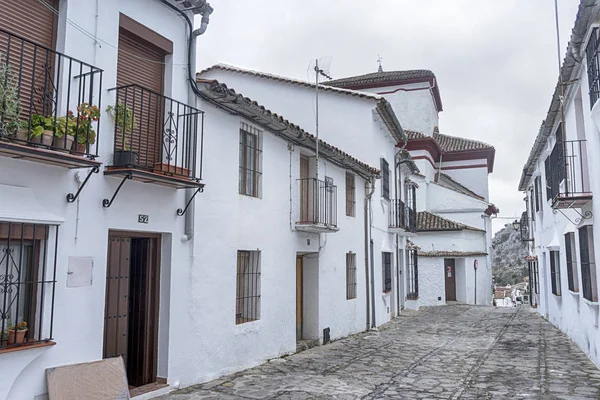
pixel 49 105
pixel 317 206
pixel 156 139
pixel 402 218
pixel 567 176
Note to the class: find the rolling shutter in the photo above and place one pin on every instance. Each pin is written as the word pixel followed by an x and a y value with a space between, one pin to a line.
pixel 142 63
pixel 30 19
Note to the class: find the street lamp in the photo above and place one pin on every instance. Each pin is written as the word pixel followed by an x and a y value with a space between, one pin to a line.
pixel 516 225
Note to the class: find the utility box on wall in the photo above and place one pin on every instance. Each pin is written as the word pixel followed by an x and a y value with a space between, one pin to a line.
pixel 79 273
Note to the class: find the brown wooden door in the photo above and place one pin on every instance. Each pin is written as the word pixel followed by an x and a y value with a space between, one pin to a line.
pixel 299 298
pixel 450 278
pixel 116 322
pixel 142 63
pixel 132 300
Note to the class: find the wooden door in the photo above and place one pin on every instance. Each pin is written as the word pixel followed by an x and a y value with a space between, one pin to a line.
pixel 116 315
pixel 299 298
pixel 450 278
pixel 142 63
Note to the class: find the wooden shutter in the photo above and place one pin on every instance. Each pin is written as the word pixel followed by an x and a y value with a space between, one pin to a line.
pixel 142 63
pixel 30 19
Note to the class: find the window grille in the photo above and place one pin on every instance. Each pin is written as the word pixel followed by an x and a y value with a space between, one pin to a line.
pixel 572 275
pixel 537 189
pixel 350 276
pixel 247 306
pixel 387 272
pixel 588 264
pixel 593 67
pixel 412 274
pixel 350 195
pixel 27 282
pixel 250 161
pixel 385 179
pixel 555 272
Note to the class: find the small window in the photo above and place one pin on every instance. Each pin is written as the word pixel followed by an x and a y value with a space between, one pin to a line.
pixel 555 272
pixel 387 272
pixel 250 161
pixel 412 274
pixel 537 189
pixel 572 273
pixel 593 67
pixel 588 263
pixel 385 179
pixel 247 305
pixel 350 195
pixel 27 280
pixel 350 276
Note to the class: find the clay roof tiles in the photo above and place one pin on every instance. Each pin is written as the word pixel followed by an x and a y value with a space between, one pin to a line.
pixel 427 222
pixel 381 77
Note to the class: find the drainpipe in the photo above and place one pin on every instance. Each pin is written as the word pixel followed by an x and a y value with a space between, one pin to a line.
pixel 369 190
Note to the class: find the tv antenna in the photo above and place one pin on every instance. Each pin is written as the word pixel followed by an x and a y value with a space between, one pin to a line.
pixel 321 68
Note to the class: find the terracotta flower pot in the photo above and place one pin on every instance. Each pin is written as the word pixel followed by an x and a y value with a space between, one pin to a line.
pixel 79 147
pixel 22 134
pixel 64 143
pixel 47 137
pixel 16 337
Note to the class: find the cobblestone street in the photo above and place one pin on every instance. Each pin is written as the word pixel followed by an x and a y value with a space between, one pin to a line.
pixel 452 352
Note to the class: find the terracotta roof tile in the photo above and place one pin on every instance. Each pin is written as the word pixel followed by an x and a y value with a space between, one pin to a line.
pixel 448 182
pixel 381 77
pixel 427 222
pixel 453 254
pixel 449 144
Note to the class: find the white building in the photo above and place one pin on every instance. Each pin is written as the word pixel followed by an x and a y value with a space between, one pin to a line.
pixel 454 226
pixel 558 180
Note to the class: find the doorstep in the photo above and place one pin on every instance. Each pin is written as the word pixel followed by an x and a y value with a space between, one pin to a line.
pixel 302 345
pixel 150 390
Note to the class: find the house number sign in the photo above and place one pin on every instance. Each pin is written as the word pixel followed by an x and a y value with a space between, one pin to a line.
pixel 143 219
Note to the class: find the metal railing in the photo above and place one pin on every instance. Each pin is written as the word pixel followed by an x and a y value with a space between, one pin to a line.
pixel 156 133
pixel 48 99
pixel 525 228
pixel 593 67
pixel 402 216
pixel 318 202
pixel 566 169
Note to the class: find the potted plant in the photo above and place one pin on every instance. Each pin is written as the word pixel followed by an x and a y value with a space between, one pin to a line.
pixel 85 134
pixel 9 101
pixel 125 123
pixel 65 131
pixel 16 333
pixel 42 130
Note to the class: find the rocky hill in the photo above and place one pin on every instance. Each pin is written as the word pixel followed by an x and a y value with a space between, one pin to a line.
pixel 508 265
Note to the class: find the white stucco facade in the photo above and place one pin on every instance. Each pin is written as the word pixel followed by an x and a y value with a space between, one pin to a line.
pixel 570 304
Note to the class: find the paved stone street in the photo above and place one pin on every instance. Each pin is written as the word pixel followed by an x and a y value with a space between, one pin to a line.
pixel 452 352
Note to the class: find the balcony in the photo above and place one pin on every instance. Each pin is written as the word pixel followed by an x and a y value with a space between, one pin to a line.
pixel 402 219
pixel 567 177
pixel 156 139
pixel 49 105
pixel 318 206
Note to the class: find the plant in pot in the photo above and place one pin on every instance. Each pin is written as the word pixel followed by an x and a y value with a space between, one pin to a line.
pixel 16 333
pixel 125 123
pixel 42 130
pixel 65 131
pixel 85 134
pixel 9 101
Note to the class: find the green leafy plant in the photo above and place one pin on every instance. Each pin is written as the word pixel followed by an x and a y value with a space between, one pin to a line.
pixel 9 101
pixel 87 114
pixel 39 124
pixel 66 125
pixel 123 117
pixel 21 326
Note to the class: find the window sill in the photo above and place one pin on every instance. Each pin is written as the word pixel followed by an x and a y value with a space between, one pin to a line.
pixel 591 303
pixel 28 346
pixel 412 298
pixel 386 293
pixel 574 293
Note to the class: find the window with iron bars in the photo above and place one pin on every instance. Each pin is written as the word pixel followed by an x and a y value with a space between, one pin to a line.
pixel 350 195
pixel 537 189
pixel 588 263
pixel 350 276
pixel 555 272
pixel 385 179
pixel 412 274
pixel 247 302
pixel 572 275
pixel 250 161
pixel 387 272
pixel 27 282
pixel 593 67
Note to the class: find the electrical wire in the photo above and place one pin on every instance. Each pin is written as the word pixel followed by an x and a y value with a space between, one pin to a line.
pixel 97 39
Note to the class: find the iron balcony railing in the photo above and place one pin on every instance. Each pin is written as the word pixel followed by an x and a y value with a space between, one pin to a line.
pixel 156 133
pixel 593 67
pixel 566 170
pixel 402 216
pixel 318 203
pixel 48 99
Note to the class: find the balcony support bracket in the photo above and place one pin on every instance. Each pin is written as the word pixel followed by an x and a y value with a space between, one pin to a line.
pixel 107 203
pixel 585 215
pixel 72 197
pixel 181 212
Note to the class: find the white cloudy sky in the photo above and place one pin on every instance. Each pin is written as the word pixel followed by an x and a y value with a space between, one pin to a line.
pixel 495 60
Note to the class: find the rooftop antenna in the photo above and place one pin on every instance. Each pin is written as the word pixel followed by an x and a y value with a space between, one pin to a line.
pixel 379 59
pixel 321 68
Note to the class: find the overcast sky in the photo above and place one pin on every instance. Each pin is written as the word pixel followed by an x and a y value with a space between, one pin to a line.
pixel 495 60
